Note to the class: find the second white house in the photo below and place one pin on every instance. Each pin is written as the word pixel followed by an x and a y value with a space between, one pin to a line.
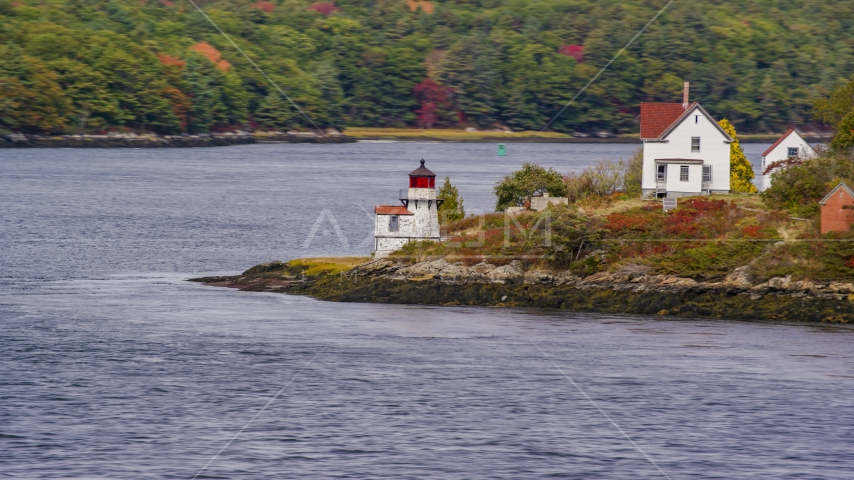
pixel 790 145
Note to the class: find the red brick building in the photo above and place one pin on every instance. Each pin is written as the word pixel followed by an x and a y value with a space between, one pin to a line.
pixel 837 209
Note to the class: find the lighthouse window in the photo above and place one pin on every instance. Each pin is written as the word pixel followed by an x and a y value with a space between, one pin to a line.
pixel 393 223
pixel 422 182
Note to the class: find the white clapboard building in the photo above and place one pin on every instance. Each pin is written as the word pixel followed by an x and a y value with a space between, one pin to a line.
pixel 416 219
pixel 685 151
pixel 790 145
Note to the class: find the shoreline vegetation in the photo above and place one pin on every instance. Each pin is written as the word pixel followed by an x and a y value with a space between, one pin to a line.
pixel 133 140
pixel 712 257
pixel 150 140
pixel 471 135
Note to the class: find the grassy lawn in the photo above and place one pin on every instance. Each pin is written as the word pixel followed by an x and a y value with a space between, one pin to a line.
pixel 326 265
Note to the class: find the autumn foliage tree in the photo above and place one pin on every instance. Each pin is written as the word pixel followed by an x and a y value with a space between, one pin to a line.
pixel 436 105
pixel 740 170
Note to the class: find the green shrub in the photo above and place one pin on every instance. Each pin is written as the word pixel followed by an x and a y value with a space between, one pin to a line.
pixel 799 187
pixel 707 260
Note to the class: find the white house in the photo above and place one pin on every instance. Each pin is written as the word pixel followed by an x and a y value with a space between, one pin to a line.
pixel 685 151
pixel 790 145
pixel 417 219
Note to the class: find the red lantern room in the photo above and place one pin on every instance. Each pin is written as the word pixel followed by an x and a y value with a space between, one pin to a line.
pixel 422 177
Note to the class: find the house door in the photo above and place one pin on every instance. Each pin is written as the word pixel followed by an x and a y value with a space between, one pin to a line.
pixel 661 181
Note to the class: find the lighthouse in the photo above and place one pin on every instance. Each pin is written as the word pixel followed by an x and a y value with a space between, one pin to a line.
pixel 416 219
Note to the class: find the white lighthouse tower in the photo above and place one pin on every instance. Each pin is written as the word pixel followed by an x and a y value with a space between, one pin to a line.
pixel 417 219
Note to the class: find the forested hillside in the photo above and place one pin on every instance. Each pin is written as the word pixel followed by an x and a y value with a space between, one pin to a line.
pixel 92 65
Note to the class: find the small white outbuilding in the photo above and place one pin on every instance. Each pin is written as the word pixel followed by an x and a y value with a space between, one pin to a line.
pixel 790 145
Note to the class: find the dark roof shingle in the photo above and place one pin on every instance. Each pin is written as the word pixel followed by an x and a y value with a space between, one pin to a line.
pixel 422 171
pixel 657 116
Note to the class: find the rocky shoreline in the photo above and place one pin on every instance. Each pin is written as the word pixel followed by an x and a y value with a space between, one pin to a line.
pixel 629 290
pixel 131 140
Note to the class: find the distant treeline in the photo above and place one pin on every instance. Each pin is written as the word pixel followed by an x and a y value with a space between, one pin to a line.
pixel 158 65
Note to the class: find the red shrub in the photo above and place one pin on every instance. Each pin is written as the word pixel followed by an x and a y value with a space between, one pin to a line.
pixel 574 51
pixel 211 54
pixel 324 8
pixel 624 223
pixel 850 263
pixel 427 115
pixel 703 205
pixel 267 7
pixel 168 60
pixel 789 162
pixel 753 231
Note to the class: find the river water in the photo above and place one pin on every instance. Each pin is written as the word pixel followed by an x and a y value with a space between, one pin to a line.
pixel 113 366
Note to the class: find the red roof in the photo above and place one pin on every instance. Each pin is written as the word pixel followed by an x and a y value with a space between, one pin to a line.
pixel 392 210
pixel 657 116
pixel 772 147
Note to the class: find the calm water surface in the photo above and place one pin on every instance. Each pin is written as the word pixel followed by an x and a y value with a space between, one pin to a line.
pixel 113 366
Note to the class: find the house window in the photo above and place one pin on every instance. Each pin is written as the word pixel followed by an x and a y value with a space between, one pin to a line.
pixel 707 173
pixel 695 144
pixel 793 152
pixel 393 223
pixel 696 119
pixel 662 173
pixel 683 173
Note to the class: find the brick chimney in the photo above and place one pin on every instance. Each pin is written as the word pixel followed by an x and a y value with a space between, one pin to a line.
pixel 685 96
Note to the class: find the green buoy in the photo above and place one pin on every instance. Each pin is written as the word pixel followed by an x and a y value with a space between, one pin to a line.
pixel 502 152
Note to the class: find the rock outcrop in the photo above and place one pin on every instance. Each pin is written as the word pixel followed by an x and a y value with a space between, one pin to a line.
pixel 629 289
pixel 635 278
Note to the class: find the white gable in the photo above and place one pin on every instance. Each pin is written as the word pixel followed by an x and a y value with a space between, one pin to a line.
pixel 792 141
pixel 781 151
pixel 696 115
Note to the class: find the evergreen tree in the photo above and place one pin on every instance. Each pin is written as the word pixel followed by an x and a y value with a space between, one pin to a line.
pixel 275 112
pixel 451 208
pixel 468 70
pixel 740 170
pixel 837 110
